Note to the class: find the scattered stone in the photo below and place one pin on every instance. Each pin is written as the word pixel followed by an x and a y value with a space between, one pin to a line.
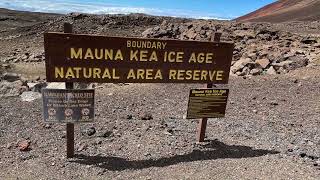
pixel 296 62
pixel 303 154
pixel 98 141
pixel 168 132
pixel 255 71
pixel 24 145
pixel 129 116
pixel 47 126
pixel 191 34
pixel 274 103
pixel 263 63
pixel 90 131
pixel 106 134
pixel 146 116
pixel 8 89
pixel 271 71
pixel 240 64
pixel 36 87
pixel 147 32
pixel 30 96
pixel 82 147
pixel 309 40
pixel 6 66
pixel 9 146
pixel 11 77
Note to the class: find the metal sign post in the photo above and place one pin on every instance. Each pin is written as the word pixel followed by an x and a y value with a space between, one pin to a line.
pixel 202 126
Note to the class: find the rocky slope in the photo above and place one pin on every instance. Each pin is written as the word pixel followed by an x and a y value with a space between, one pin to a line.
pixel 259 49
pixel 285 10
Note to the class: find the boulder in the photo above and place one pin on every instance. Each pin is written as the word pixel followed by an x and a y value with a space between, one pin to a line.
pixel 147 33
pixel 263 62
pixel 298 62
pixel 256 71
pixel 240 64
pixel 271 71
pixel 292 63
pixel 191 34
pixel 282 64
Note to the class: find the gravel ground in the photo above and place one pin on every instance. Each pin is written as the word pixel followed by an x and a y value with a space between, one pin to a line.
pixel 271 131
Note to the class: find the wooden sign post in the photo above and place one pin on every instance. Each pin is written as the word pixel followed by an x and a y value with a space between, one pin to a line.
pixel 70 126
pixel 202 126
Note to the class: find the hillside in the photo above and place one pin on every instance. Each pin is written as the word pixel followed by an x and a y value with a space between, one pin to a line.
pixel 286 10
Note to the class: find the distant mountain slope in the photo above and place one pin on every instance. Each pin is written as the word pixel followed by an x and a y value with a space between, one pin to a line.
pixel 286 10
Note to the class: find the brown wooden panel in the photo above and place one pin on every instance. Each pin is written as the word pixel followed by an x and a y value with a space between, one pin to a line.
pixel 75 58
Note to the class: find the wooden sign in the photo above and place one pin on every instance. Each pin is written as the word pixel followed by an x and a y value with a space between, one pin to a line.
pixel 65 105
pixel 207 103
pixel 88 58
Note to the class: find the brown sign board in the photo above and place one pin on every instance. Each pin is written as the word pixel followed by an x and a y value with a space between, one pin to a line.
pixel 68 105
pixel 207 103
pixel 90 58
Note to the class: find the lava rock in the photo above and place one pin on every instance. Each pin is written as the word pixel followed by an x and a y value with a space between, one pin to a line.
pixel 24 145
pixel 263 63
pixel 106 134
pixel 90 131
pixel 146 116
pixel 11 77
pixel 309 40
pixel 240 64
pixel 129 116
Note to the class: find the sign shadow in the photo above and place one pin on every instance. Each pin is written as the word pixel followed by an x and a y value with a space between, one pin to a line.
pixel 212 149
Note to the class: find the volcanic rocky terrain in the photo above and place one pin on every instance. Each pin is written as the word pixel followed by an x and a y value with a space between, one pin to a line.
pixel 271 129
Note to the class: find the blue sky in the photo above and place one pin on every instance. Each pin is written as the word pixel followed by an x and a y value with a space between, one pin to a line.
pixel 208 9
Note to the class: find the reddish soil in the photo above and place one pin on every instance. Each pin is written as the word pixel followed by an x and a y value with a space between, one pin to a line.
pixel 286 10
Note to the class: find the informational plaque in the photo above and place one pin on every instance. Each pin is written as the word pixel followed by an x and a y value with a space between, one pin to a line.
pixel 68 105
pixel 207 103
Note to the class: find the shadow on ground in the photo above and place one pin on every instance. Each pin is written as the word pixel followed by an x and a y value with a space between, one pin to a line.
pixel 211 150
